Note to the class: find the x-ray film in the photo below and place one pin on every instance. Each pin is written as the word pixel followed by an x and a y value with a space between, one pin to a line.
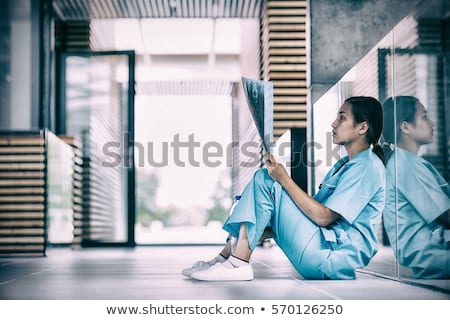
pixel 259 94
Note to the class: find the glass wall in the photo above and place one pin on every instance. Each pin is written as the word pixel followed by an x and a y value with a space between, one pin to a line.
pixel 408 71
pixel 417 203
pixel 60 173
pixel 96 108
pixel 15 65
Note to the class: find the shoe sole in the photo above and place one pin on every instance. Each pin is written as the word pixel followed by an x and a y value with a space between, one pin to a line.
pixel 222 278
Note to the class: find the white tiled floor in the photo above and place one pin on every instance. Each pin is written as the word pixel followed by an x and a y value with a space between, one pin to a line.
pixel 153 272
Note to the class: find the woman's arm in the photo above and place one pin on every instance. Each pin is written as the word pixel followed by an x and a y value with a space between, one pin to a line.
pixel 317 212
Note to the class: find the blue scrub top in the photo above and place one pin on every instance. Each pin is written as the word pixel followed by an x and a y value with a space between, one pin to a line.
pixel 357 193
pixel 422 196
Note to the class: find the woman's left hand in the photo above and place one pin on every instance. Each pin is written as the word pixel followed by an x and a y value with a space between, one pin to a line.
pixel 276 170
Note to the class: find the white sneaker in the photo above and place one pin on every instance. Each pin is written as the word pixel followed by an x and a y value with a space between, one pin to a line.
pixel 220 273
pixel 199 266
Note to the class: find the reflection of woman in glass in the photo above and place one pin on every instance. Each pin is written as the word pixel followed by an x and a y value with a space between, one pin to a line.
pixel 325 237
pixel 416 190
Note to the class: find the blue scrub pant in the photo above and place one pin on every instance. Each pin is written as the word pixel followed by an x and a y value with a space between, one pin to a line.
pixel 264 202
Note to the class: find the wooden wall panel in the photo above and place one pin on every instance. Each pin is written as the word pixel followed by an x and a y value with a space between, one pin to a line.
pixel 283 61
pixel 22 195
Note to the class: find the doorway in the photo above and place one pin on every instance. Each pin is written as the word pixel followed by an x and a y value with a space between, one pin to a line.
pixel 96 104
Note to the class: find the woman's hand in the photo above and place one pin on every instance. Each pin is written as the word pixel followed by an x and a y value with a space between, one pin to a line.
pixel 317 212
pixel 276 170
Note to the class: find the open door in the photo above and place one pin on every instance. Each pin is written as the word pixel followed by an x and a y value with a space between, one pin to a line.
pixel 95 103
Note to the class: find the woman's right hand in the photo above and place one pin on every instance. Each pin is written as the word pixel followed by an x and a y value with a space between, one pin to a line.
pixel 276 170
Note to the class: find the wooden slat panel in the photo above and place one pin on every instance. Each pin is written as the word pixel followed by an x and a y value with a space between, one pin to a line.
pixel 289 99
pixel 290 91
pixel 21 158
pixel 288 116
pixel 18 191
pixel 22 194
pixel 291 124
pixel 21 207
pixel 15 150
pixel 287 59
pixel 287 67
pixel 286 4
pixel 287 35
pixel 287 75
pixel 278 84
pixel 21 215
pixel 21 247
pixel 21 223
pixel 24 198
pixel 287 20
pixel 16 231
pixel 84 10
pixel 22 174
pixel 22 166
pixel 20 240
pixel 19 140
pixel 286 12
pixel 301 51
pixel 283 61
pixel 23 182
pixel 283 27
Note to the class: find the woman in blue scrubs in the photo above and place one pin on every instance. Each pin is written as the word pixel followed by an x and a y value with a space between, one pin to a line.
pixel 327 236
pixel 417 211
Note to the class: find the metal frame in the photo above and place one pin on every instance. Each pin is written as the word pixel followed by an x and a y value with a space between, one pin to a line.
pixel 61 129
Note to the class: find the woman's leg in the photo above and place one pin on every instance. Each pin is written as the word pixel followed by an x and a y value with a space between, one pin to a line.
pixel 206 264
pixel 299 238
pixel 226 250
pixel 263 203
pixel 242 250
pixel 244 225
pixel 254 210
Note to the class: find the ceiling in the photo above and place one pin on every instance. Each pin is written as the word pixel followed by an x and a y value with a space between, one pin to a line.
pixel 140 13
pixel 182 88
pixel 81 10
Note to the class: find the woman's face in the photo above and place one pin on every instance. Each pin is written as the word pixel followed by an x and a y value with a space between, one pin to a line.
pixel 421 130
pixel 344 129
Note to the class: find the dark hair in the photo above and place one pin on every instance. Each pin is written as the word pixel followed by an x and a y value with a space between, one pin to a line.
pixel 369 109
pixel 396 110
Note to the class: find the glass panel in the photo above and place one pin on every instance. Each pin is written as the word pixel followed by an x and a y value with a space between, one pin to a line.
pixel 59 190
pixel 410 61
pixel 183 168
pixel 325 154
pixel 369 77
pixel 417 131
pixel 96 110
pixel 15 65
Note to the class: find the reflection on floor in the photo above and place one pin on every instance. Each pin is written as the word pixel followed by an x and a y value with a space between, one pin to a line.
pixel 153 272
pixel 384 263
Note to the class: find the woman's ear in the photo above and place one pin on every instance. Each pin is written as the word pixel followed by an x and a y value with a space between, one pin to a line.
pixel 404 127
pixel 363 127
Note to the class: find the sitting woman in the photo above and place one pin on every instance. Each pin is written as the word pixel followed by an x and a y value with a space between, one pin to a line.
pixel 417 212
pixel 327 236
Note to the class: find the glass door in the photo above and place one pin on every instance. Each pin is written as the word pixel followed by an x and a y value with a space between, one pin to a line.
pixel 96 106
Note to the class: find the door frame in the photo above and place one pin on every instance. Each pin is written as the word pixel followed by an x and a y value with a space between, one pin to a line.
pixel 60 129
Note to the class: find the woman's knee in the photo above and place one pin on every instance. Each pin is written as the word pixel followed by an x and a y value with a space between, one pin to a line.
pixel 309 267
